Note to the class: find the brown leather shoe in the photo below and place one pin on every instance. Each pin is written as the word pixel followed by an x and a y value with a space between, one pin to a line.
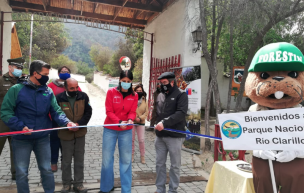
pixel 54 167
pixel 80 189
pixel 142 159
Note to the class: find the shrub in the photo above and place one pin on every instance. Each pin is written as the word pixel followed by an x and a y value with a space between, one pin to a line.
pixel 89 77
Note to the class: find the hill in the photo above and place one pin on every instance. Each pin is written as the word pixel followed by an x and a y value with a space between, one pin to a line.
pixel 82 38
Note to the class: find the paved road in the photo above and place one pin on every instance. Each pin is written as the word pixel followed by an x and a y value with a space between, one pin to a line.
pixel 143 174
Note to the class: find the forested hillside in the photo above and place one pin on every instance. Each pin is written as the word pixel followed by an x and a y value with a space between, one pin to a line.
pixel 82 38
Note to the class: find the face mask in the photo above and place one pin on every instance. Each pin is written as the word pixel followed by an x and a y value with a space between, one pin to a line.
pixel 64 76
pixel 165 88
pixel 43 80
pixel 72 93
pixel 125 85
pixel 17 72
pixel 140 94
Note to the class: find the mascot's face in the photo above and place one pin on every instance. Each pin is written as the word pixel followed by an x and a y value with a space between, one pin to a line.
pixel 277 90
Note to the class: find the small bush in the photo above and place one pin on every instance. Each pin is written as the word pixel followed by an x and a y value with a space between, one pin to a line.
pixel 89 77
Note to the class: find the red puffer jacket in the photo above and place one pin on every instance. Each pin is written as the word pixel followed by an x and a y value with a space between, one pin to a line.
pixel 119 108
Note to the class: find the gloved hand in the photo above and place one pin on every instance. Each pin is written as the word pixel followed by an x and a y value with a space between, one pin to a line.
pixel 264 154
pixel 286 156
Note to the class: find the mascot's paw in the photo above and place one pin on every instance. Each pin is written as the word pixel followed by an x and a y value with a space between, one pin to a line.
pixel 264 154
pixel 286 156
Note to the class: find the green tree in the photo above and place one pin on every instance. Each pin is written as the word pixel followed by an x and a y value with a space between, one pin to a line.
pixel 100 55
pixel 83 68
pixel 63 60
pixel 49 39
pixel 138 69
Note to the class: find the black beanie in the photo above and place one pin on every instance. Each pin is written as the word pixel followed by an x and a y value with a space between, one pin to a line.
pixel 126 73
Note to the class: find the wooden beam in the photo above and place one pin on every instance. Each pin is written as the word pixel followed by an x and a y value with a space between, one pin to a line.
pixel 108 18
pixel 119 9
pixel 95 7
pixel 130 5
pixel 159 2
pixel 138 14
pixel 81 7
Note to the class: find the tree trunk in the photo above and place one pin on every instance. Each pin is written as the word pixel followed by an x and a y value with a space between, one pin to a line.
pixel 231 59
pixel 257 41
pixel 212 107
pixel 207 110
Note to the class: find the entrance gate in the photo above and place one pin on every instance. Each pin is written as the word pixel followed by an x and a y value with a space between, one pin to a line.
pixel 158 66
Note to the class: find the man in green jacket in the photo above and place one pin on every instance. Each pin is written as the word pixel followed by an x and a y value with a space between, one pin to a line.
pixel 8 80
pixel 76 105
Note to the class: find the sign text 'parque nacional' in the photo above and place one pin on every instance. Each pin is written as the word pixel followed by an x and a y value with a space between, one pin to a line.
pixel 263 130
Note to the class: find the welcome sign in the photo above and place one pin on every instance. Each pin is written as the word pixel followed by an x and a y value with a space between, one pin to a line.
pixel 263 130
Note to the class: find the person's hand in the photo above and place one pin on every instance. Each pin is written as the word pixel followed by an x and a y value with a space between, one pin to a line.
pixel 159 126
pixel 130 122
pixel 123 126
pixel 264 154
pixel 72 126
pixel 286 156
pixel 137 120
pixel 27 129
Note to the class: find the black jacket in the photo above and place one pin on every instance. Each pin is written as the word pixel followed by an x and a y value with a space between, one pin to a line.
pixel 172 110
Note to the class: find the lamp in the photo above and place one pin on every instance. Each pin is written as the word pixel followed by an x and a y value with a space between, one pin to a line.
pixel 197 38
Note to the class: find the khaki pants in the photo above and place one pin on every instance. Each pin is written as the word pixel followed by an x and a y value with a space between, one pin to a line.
pixel 290 176
pixel 4 128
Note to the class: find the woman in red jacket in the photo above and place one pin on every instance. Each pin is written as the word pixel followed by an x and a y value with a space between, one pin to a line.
pixel 121 104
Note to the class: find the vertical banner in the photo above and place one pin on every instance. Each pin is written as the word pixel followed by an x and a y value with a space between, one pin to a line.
pixel 237 76
pixel 189 81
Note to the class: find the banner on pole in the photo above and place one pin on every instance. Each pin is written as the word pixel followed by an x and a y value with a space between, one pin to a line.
pixel 237 76
pixel 263 130
pixel 189 81
pixel 113 83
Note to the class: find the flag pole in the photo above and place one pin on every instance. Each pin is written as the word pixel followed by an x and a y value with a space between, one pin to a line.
pixel 31 39
pixel 274 186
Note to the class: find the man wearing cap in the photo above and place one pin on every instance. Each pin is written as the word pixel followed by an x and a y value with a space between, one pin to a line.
pixel 9 79
pixel 171 110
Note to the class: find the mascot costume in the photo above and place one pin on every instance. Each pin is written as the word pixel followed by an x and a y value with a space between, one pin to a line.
pixel 276 81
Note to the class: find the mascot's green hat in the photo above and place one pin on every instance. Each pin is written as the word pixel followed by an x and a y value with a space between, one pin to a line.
pixel 280 56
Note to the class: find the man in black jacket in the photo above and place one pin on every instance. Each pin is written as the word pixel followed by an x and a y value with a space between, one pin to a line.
pixel 171 110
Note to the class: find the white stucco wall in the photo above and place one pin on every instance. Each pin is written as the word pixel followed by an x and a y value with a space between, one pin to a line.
pixel 223 83
pixel 7 34
pixel 172 36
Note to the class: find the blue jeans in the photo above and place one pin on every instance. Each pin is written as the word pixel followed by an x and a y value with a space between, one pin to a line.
pixel 22 152
pixel 109 140
pixel 55 146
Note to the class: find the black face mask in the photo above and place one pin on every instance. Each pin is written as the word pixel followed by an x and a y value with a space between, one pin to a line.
pixel 43 80
pixel 140 94
pixel 165 88
pixel 72 93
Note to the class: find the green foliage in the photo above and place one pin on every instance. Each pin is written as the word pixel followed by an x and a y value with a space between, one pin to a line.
pixel 83 68
pixel 83 38
pixel 49 39
pixel 63 60
pixel 100 55
pixel 138 69
pixel 89 77
pixel 137 39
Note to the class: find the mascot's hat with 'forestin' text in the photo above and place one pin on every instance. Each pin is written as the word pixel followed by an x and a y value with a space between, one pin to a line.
pixel 281 56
